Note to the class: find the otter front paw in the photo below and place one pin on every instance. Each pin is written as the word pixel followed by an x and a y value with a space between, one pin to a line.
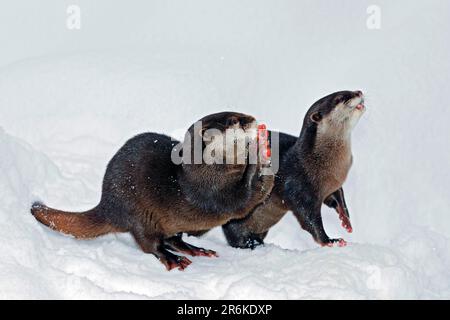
pixel 345 220
pixel 252 243
pixel 248 242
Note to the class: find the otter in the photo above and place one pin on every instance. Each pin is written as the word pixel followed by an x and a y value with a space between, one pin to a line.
pixel 145 193
pixel 313 168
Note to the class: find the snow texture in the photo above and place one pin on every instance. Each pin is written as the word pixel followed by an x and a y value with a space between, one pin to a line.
pixel 70 99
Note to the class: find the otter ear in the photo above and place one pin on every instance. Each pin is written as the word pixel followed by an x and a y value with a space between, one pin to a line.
pixel 316 117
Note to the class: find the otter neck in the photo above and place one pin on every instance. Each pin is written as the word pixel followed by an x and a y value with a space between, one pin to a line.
pixel 312 138
pixel 327 158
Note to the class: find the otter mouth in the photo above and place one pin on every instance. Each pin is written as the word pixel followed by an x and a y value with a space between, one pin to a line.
pixel 360 106
pixel 357 102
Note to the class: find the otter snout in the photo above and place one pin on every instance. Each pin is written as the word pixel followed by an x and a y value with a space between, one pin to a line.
pixel 357 102
pixel 360 106
pixel 358 93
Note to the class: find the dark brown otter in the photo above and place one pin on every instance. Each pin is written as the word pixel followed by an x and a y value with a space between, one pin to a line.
pixel 312 171
pixel 144 192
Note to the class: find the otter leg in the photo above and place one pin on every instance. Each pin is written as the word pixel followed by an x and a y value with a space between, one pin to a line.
pixel 151 243
pixel 239 236
pixel 310 218
pixel 176 243
pixel 249 232
pixel 336 201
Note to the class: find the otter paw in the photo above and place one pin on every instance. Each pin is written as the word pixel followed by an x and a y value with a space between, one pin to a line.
pixel 345 221
pixel 335 242
pixel 200 252
pixel 252 243
pixel 175 261
pixel 347 227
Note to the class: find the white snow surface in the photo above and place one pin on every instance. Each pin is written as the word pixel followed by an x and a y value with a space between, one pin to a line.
pixel 65 112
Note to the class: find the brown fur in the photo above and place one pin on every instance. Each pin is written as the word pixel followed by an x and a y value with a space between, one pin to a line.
pixel 329 164
pixel 81 225
pixel 146 194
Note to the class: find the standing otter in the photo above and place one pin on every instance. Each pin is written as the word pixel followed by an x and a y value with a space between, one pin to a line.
pixel 312 171
pixel 145 193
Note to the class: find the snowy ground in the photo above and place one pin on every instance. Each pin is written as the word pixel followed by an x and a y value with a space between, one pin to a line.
pixel 63 116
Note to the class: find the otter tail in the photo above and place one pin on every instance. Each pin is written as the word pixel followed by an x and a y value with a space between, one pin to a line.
pixel 89 224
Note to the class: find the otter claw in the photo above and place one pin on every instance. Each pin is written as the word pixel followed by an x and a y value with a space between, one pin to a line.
pixel 179 262
pixel 204 253
pixel 347 227
pixel 345 220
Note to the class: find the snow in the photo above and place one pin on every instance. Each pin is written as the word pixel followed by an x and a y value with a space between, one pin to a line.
pixel 68 101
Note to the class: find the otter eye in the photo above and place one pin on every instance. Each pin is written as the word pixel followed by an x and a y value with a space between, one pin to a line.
pixel 231 122
pixel 316 117
pixel 338 99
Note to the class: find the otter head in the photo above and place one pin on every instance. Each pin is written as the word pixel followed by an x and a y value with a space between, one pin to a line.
pixel 224 137
pixel 336 114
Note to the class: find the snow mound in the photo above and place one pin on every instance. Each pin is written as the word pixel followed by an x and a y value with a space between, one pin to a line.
pixel 40 263
pixel 22 170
